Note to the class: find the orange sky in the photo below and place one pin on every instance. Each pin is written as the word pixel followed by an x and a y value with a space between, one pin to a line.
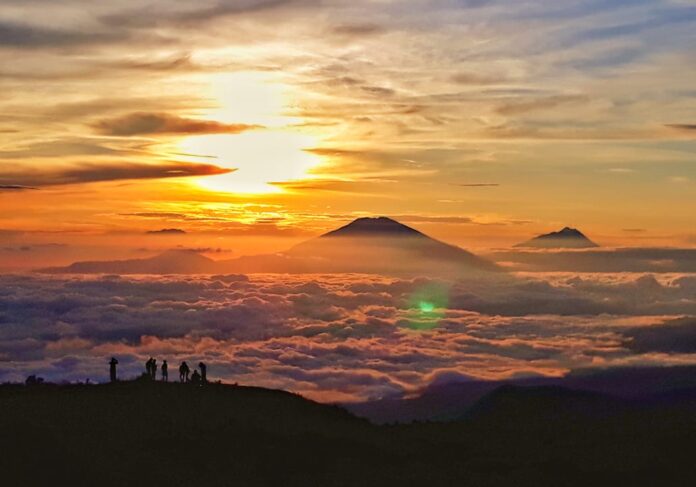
pixel 254 125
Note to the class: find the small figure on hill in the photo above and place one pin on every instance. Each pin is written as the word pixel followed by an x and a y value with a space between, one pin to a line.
pixel 195 378
pixel 165 371
pixel 153 369
pixel 112 369
pixel 184 372
pixel 204 372
pixel 32 380
pixel 148 367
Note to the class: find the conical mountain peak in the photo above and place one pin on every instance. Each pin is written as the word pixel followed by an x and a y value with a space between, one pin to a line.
pixel 567 237
pixel 373 226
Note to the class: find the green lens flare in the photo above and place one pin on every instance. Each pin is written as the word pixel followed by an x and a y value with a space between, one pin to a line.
pixel 427 306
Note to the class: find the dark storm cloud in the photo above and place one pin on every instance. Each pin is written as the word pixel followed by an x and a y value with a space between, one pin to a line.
pixel 90 173
pixel 144 123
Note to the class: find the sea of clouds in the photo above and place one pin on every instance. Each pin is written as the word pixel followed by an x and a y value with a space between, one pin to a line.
pixel 344 337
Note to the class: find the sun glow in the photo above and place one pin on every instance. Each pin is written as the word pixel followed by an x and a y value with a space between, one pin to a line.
pixel 259 158
pixel 254 98
pixel 273 152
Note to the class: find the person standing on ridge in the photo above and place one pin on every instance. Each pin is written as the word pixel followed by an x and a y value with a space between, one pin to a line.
pixel 204 372
pixel 196 378
pixel 184 372
pixel 165 372
pixel 148 367
pixel 112 368
pixel 153 369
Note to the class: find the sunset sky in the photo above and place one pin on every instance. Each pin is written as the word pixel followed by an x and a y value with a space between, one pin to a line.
pixel 238 127
pixel 253 124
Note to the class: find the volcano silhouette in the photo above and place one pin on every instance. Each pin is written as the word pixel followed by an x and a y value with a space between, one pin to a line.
pixel 367 245
pixel 567 238
pixel 385 246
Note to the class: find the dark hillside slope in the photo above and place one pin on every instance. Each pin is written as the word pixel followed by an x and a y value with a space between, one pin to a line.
pixel 156 434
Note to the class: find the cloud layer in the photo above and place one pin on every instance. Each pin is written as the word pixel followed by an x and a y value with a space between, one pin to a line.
pixel 337 337
pixel 144 123
pixel 18 178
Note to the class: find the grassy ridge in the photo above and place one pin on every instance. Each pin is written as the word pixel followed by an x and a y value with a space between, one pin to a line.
pixel 141 433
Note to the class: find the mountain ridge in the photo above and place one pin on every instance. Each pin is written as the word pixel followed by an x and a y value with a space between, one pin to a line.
pixel 367 245
pixel 567 237
pixel 154 433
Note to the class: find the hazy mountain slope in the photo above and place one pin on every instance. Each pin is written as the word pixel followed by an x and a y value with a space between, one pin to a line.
pixel 367 245
pixel 170 262
pixel 567 238
pixel 600 260
pixel 382 246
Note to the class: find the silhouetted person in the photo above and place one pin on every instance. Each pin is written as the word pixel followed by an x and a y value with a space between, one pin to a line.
pixel 204 372
pixel 112 369
pixel 184 372
pixel 153 369
pixel 195 377
pixel 165 371
pixel 148 367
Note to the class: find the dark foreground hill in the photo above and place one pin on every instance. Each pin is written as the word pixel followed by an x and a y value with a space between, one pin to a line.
pixel 178 435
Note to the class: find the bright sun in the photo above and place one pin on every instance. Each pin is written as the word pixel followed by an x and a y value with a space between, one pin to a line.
pixel 273 153
pixel 259 157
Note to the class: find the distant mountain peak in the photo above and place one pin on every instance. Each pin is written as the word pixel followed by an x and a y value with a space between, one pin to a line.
pixel 383 245
pixel 378 245
pixel 374 226
pixel 567 237
pixel 568 231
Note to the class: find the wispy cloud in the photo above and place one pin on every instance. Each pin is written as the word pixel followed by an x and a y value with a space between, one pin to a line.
pixel 523 106
pixel 27 36
pixel 14 187
pixel 682 126
pixel 167 231
pixel 143 123
pixel 92 172
pixel 478 185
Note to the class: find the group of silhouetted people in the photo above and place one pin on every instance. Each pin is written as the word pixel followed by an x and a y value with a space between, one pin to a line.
pixel 151 371
pixel 196 377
